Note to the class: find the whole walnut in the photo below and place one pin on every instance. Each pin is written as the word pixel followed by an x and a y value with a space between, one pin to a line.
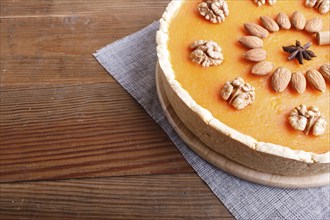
pixel 238 93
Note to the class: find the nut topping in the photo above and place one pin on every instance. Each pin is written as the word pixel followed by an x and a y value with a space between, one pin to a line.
pixel 283 21
pixel 298 82
pixel 316 80
pixel 255 55
pixel 280 79
pixel 298 20
pixel 262 68
pixel 322 5
pixel 269 24
pixel 206 53
pixel 251 42
pixel 314 25
pixel 310 3
pixel 263 2
pixel 238 93
pixel 215 11
pixel 308 120
pixel 325 71
pixel 256 30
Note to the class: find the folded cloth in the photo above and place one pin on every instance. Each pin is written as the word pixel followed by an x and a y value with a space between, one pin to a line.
pixel 132 62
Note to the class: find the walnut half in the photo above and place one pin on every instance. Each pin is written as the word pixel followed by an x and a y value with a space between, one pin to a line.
pixel 206 53
pixel 238 93
pixel 214 10
pixel 308 119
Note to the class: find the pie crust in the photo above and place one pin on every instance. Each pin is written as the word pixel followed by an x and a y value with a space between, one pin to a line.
pixel 239 147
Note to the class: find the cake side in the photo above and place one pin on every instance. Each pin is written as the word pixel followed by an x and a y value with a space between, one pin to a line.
pixel 244 151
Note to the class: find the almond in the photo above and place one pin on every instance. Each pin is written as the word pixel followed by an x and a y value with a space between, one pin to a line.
pixel 255 55
pixel 251 42
pixel 310 3
pixel 298 82
pixel 316 80
pixel 256 30
pixel 283 21
pixel 325 71
pixel 323 6
pixel 298 20
pixel 314 25
pixel 269 24
pixel 280 79
pixel 262 68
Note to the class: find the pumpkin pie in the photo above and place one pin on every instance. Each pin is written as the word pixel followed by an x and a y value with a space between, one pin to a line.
pixel 245 76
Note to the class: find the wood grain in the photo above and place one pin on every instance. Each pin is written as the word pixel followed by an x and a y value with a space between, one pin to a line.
pixel 90 130
pixel 40 8
pixel 58 50
pixel 62 116
pixel 140 197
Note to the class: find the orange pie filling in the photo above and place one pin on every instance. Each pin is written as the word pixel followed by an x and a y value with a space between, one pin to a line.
pixel 266 119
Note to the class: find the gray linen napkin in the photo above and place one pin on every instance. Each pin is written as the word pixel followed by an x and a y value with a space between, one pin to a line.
pixel 132 61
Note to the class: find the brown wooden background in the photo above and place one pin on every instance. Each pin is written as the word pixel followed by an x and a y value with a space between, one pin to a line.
pixel 74 144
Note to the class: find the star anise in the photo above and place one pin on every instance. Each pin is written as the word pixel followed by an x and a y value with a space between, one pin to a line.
pixel 299 52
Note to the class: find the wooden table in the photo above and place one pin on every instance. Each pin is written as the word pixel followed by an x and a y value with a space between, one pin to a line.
pixel 74 144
